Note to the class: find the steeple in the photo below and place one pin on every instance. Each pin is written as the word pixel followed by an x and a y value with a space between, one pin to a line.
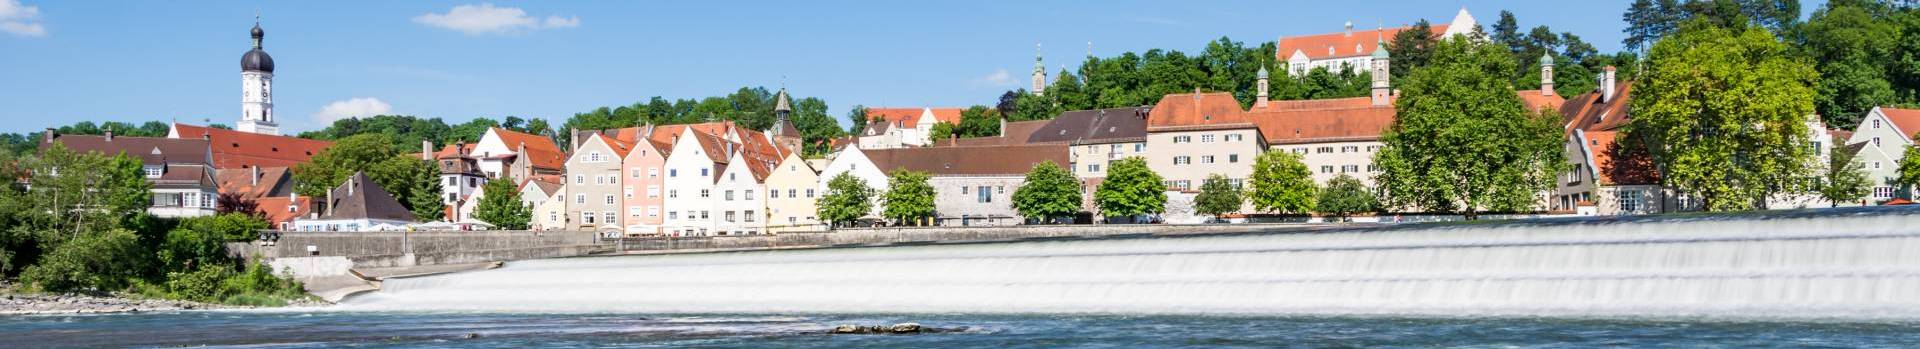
pixel 1039 72
pixel 256 87
pixel 1546 74
pixel 1260 100
pixel 1382 89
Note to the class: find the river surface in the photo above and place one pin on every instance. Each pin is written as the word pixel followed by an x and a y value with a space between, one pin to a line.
pixel 334 329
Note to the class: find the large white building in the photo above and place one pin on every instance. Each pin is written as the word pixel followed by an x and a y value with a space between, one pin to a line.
pixel 1351 49
pixel 1884 136
pixel 256 87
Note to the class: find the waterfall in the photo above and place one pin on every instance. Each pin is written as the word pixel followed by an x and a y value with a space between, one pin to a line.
pixel 1832 263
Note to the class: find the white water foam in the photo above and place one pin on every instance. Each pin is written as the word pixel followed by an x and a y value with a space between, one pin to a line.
pixel 1812 266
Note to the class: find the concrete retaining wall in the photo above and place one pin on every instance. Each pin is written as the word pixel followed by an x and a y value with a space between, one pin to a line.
pixel 306 267
pixel 400 249
pixel 910 235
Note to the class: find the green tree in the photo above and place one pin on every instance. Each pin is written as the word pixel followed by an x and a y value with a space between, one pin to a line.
pixel 108 260
pixel 1724 113
pixel 1218 196
pixel 72 193
pixel 941 131
pixel 857 119
pixel 1131 189
pixel 1344 197
pixel 979 121
pixel 1411 49
pixel 1281 183
pixel 1908 173
pixel 1844 178
pixel 1852 44
pixel 1049 192
pixel 201 241
pixel 909 198
pixel 1463 140
pixel 414 182
pixel 847 199
pixel 500 205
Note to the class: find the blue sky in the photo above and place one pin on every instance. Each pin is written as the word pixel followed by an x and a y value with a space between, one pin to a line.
pixel 67 61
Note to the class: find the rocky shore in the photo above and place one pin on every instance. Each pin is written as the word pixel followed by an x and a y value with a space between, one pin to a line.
pixel 46 304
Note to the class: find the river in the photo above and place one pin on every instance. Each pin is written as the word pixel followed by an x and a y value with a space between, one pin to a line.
pixel 1840 278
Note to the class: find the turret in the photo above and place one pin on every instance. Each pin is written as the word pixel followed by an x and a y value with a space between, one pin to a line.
pixel 1546 74
pixel 1382 89
pixel 1260 97
pixel 1039 72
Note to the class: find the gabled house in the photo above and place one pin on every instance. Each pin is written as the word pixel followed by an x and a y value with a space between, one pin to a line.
pixel 792 191
pixel 903 127
pixel 359 204
pixel 1885 134
pixel 180 170
pixel 551 214
pixel 596 182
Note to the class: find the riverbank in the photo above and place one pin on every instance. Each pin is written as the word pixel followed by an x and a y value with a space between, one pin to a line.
pixel 17 303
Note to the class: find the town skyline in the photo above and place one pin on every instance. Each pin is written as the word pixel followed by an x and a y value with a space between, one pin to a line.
pixel 185 74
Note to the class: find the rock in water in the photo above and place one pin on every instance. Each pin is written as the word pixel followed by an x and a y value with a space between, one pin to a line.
pixel 906 328
pixel 846 329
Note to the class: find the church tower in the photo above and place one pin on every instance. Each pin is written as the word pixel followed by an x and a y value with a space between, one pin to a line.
pixel 1546 74
pixel 1382 90
pixel 256 87
pixel 1260 99
pixel 1039 73
pixel 783 133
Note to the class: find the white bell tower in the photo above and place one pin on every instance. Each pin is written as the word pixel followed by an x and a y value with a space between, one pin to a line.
pixel 256 89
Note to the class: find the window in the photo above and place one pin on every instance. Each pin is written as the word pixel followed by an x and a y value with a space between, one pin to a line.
pixel 1206 159
pixel 1182 160
pixel 703 214
pixel 1350 149
pixel 985 195
pixel 1883 192
pixel 1233 137
pixel 633 211
pixel 1324 150
pixel 1182 139
pixel 609 199
pixel 653 172
pixel 673 193
pixel 1206 138
pixel 599 179
pixel 790 193
pixel 608 217
pixel 1113 148
pixel 730 216
pixel 579 179
pixel 1000 189
pixel 773 194
pixel 731 177
pixel 580 199
pixel 653 191
pixel 1876 141
pixel 1093 167
pixel 653 211
pixel 703 172
pixel 749 216
pixel 1629 202
pixel 1139 147
pixel 553 217
pixel 673 215
pixel 1876 123
pixel 673 172
pixel 1233 158
pixel 593 157
pixel 1876 165
pixel 809 193
pixel 635 173
pixel 748 195
pixel 628 192
pixel 729 195
pixel 586 217
pixel 1326 169
pixel 705 193
pixel 1349 168
pixel 963 190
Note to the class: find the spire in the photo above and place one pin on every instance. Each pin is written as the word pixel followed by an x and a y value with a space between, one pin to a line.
pixel 258 34
pixel 1039 72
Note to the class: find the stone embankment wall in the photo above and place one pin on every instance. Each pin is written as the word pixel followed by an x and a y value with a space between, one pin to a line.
pixel 400 249
pixel 919 235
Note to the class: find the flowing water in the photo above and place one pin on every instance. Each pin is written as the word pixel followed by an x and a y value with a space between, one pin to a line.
pixel 1842 278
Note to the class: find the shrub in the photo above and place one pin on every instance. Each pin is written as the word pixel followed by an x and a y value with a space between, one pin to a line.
pixel 102 261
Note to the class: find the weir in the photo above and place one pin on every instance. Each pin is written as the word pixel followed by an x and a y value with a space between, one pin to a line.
pixel 1844 263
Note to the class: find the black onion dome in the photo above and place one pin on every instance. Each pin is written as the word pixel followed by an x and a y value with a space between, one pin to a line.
pixel 257 59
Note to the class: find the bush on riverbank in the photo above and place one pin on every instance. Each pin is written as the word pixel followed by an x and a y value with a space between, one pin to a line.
pixel 88 232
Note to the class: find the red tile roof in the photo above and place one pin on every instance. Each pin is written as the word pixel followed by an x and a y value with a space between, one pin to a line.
pixel 1619 165
pixel 1184 110
pixel 1333 120
pixel 540 149
pixel 275 208
pixel 1342 43
pixel 235 149
pixel 1587 112
pixel 1905 120
pixel 272 181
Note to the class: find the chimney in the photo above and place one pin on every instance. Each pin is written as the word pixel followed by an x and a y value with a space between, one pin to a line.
pixel 1606 84
pixel 255 178
pixel 109 133
pixel 47 136
pixel 352 182
pixel 1003 126
pixel 426 150
pixel 1349 28
pixel 460 148
pixel 208 136
pixel 953 139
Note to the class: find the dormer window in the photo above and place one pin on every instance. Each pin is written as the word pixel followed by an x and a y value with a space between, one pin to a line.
pixel 154 171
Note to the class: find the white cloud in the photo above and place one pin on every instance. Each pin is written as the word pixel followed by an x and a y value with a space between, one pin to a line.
pixel 487 19
pixel 352 108
pixel 20 19
pixel 999 77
